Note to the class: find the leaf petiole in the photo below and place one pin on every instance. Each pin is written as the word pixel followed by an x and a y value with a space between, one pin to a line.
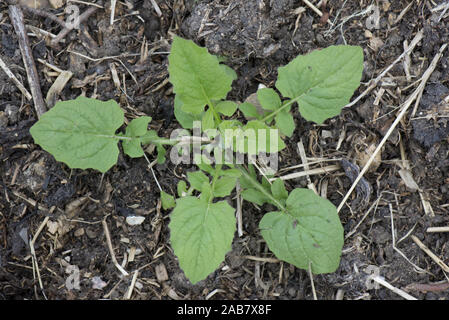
pixel 259 187
pixel 275 112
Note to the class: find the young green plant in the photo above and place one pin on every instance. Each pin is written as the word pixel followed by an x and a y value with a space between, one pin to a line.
pixel 304 230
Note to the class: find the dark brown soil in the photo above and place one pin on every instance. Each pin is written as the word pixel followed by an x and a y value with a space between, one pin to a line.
pixel 256 37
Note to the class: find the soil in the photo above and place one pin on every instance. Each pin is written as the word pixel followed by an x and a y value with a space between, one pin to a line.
pixel 255 37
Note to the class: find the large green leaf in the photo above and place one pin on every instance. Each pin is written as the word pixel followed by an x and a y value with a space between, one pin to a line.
pixel 196 75
pixel 309 231
pixel 184 118
pixel 81 133
pixel 201 234
pixel 323 81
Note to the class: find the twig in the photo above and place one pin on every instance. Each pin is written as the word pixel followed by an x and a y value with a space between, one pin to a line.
pixel 39 230
pixel 393 237
pixel 113 4
pixel 36 268
pixel 33 254
pixel 404 109
pixel 150 166
pixel 315 9
pixel 428 287
pixel 310 172
pixel 403 12
pixel 438 229
pixel 111 249
pixel 27 56
pixel 311 281
pixel 87 3
pixel 156 8
pixel 437 260
pixel 238 213
pixel 375 203
pixel 15 80
pixel 44 14
pixel 261 259
pixel 131 287
pixel 61 35
pixel 373 83
pixel 111 57
pixel 380 280
pixel 302 154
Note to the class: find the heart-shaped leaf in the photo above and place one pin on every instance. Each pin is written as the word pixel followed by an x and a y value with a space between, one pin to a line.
pixel 309 231
pixel 322 82
pixel 196 75
pixel 81 133
pixel 201 234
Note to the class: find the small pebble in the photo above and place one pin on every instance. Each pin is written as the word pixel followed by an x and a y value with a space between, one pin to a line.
pixel 79 232
pixel 12 113
pixel 134 220
pixel 97 283
pixel 91 233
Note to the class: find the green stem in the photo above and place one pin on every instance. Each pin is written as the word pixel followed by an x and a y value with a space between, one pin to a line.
pixel 216 116
pixel 259 187
pixel 159 140
pixel 284 106
pixel 214 180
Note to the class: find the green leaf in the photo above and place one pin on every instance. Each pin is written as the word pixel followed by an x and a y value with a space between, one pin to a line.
pixel 278 190
pixel 184 118
pixel 182 188
pixel 151 137
pixel 196 179
pixel 226 107
pixel 309 231
pixel 269 99
pixel 285 123
pixel 323 81
pixel 224 186
pixel 231 173
pixel 135 129
pixel 167 200
pixel 160 153
pixel 231 73
pixel 206 192
pixel 81 133
pixel 196 75
pixel 245 183
pixel 201 234
pixel 254 131
pixel 255 196
pixel 249 111
pixel 203 165
pixel 208 121
pixel 250 138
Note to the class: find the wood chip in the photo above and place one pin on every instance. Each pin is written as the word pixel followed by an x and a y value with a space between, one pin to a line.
pixel 79 232
pixel 57 88
pixel 56 4
pixel 161 273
